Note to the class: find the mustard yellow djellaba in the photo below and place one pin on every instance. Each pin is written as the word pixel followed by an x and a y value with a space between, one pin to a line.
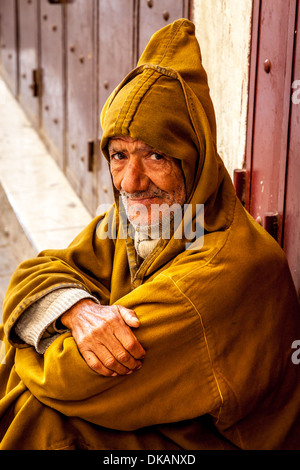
pixel 217 321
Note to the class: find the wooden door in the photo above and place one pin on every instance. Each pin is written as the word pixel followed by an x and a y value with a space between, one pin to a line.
pixel 291 223
pixel 72 54
pixel 116 60
pixel 155 14
pixel 272 155
pixel 29 90
pixel 81 98
pixel 125 28
pixel 8 43
pixel 53 78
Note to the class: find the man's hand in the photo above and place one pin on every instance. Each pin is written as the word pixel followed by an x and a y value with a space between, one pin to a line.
pixel 104 337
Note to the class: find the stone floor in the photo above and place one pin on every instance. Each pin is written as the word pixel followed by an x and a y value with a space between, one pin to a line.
pixel 14 244
pixel 38 207
pixel 47 207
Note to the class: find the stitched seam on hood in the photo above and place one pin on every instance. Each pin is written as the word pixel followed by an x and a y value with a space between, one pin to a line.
pixel 139 91
pixel 171 41
pixel 164 71
pixel 137 100
pixel 132 101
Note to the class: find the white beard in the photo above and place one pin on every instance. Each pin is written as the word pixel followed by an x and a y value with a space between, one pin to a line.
pixel 147 235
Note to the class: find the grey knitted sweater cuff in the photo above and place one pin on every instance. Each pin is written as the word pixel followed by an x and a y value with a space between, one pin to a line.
pixel 37 326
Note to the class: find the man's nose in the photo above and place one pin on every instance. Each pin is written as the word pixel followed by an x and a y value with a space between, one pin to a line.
pixel 134 178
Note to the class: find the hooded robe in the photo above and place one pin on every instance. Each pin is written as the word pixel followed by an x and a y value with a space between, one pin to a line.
pixel 217 320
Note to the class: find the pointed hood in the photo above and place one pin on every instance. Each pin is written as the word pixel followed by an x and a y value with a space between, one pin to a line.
pixel 165 102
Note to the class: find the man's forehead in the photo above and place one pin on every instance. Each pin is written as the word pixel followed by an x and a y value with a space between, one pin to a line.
pixel 120 141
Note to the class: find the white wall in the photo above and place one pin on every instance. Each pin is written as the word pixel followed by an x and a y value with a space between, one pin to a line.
pixel 223 28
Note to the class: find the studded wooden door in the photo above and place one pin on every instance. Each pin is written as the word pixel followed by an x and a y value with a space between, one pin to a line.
pixel 155 14
pixel 116 59
pixel 291 222
pixel 53 77
pixel 273 146
pixel 8 43
pixel 29 72
pixel 81 97
pixel 71 55
pixel 125 27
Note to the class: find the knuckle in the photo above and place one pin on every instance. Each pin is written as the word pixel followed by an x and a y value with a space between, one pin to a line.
pixel 130 345
pixel 82 345
pixel 123 356
pixel 111 311
pixel 108 322
pixel 115 309
pixel 94 364
pixel 103 327
pixel 109 361
pixel 98 367
pixel 115 314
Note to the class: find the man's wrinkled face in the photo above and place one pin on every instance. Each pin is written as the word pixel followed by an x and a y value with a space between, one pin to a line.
pixel 145 179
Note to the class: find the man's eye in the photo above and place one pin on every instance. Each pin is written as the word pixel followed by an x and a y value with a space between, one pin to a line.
pixel 117 156
pixel 156 156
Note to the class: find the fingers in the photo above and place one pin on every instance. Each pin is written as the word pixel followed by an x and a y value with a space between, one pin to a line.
pixel 120 339
pixel 130 345
pixel 129 316
pixel 107 365
pixel 126 336
pixel 116 357
pixel 106 353
pixel 94 363
pixel 104 338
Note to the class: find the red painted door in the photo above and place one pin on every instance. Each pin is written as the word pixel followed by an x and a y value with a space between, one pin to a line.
pixel 291 234
pixel 272 155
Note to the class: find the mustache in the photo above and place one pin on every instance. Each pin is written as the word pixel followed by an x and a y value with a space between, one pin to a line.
pixel 144 194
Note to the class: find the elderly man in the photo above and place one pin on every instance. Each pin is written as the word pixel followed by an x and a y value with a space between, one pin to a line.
pixel 137 337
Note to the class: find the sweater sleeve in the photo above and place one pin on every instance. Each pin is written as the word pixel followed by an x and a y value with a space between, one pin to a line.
pixel 38 326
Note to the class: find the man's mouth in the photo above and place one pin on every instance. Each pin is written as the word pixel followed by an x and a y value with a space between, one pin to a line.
pixel 143 200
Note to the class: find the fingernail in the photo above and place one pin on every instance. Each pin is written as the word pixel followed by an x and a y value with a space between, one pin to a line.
pixel 129 372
